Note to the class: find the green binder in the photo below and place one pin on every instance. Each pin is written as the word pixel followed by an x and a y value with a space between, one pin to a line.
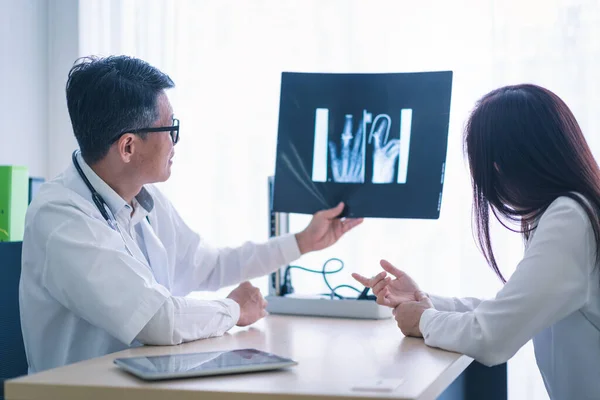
pixel 14 192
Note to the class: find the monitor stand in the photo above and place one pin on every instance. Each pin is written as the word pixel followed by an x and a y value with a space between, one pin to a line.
pixel 322 306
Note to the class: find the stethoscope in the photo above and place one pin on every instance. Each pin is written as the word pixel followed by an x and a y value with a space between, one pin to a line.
pixel 96 198
pixel 100 203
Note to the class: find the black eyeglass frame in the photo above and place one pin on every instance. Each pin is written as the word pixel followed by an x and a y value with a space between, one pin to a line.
pixel 173 131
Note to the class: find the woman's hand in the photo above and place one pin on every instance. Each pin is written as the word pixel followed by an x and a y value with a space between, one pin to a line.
pixel 408 314
pixel 390 292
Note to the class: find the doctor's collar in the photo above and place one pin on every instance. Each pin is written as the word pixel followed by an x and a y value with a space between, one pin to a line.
pixel 145 199
pixel 113 200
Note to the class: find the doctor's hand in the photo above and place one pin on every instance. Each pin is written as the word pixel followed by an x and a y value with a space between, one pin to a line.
pixel 325 229
pixel 390 292
pixel 408 315
pixel 252 304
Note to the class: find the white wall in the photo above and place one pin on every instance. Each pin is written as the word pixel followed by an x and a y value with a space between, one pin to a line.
pixel 63 50
pixel 23 84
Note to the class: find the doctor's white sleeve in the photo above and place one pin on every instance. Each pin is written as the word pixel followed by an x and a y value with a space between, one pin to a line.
pixel 214 268
pixel 550 283
pixel 183 319
pixel 89 271
pixel 200 266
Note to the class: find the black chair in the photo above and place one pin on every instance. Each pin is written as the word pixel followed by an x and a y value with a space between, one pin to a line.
pixel 13 361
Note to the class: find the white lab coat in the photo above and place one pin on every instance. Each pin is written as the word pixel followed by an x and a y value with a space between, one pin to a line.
pixel 87 290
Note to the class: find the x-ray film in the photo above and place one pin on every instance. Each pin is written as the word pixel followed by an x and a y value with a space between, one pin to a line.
pixel 378 142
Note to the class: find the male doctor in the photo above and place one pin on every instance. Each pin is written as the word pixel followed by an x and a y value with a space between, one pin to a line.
pixel 107 261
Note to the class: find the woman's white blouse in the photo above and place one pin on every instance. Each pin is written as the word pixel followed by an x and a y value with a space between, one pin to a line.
pixel 553 297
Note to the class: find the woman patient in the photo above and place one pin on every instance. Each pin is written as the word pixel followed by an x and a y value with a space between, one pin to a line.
pixel 530 164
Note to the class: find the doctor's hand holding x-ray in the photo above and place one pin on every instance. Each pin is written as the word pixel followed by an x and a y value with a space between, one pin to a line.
pixel 323 231
pixel 108 262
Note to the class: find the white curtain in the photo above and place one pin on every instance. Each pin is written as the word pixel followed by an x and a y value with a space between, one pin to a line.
pixel 226 58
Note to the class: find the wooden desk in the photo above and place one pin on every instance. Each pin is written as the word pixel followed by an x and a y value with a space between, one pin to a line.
pixel 333 356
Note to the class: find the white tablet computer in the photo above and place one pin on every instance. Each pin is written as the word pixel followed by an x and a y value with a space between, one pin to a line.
pixel 202 364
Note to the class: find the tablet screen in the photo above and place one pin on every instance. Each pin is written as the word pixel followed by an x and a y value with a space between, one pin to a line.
pixel 197 364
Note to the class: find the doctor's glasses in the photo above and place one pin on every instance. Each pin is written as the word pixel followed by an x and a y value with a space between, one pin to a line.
pixel 173 131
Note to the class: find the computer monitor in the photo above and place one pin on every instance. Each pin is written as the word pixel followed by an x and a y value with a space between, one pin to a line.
pixel 34 185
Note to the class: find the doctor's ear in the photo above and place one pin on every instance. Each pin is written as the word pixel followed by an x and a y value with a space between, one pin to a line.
pixel 126 146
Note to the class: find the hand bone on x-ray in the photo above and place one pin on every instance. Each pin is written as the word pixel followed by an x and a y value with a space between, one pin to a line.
pixel 385 152
pixel 348 166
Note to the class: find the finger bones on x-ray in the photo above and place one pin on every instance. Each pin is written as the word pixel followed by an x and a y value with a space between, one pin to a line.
pixel 348 165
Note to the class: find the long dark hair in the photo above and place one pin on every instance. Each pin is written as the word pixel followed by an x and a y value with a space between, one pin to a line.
pixel 525 150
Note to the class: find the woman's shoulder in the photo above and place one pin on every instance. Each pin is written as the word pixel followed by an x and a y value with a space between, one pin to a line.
pixel 568 214
pixel 569 206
